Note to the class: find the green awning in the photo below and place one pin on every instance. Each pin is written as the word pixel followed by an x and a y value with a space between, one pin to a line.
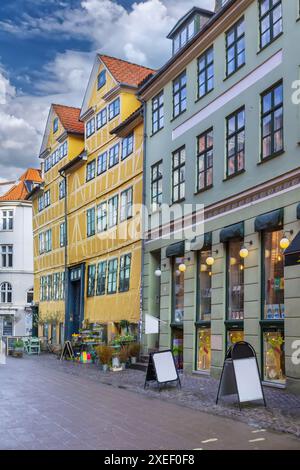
pixel 177 249
pixel 270 221
pixel 298 211
pixel 203 242
pixel 231 232
pixel 292 253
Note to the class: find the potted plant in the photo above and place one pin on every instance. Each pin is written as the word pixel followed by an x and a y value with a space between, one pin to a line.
pixel 124 325
pixel 123 356
pixel 18 348
pixel 134 351
pixel 104 354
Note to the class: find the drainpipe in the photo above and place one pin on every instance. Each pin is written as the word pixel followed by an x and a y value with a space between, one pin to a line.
pixel 63 174
pixel 143 216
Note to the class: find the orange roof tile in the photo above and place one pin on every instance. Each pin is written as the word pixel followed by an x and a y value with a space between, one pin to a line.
pixel 19 190
pixel 69 118
pixel 126 72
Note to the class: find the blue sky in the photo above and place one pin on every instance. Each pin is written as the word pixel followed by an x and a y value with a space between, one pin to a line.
pixel 47 48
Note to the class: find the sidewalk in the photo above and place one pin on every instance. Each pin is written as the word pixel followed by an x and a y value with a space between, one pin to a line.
pixel 199 393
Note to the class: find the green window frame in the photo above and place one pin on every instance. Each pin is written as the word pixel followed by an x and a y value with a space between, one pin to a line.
pixel 102 217
pixel 112 276
pixel 101 118
pixel 126 204
pixel 90 127
pixel 62 234
pixel 124 274
pixel 101 278
pixel 179 95
pixel 270 21
pixel 113 209
pixel 127 146
pixel 206 72
pixel 91 170
pixel 156 185
pixel 178 175
pixel 272 129
pixel 235 142
pixel 102 163
pixel 205 154
pixel 90 219
pixel 91 280
pixel 114 155
pixel 114 109
pixel 235 47
pixel 158 112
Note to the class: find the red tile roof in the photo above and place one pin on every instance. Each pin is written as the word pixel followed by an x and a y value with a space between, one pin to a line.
pixel 69 118
pixel 19 190
pixel 126 72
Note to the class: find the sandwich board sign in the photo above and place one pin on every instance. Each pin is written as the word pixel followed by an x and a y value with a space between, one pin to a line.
pixel 67 351
pixel 240 375
pixel 162 369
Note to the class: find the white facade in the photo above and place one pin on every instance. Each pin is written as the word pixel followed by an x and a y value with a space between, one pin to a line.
pixel 17 271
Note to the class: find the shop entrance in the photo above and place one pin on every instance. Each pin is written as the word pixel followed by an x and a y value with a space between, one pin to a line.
pixel 75 301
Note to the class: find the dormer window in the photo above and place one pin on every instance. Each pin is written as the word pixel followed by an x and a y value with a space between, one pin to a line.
pixel 184 36
pixel 55 125
pixel 101 79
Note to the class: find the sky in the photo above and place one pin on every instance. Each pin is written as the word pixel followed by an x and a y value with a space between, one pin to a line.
pixel 47 48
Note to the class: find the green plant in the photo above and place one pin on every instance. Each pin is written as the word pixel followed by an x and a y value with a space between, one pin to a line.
pixel 123 354
pixel 18 343
pixel 124 324
pixel 134 349
pixel 104 354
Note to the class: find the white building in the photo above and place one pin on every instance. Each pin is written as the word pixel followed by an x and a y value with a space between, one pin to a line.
pixel 16 257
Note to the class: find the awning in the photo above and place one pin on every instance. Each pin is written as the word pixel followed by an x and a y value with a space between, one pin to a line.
pixel 203 242
pixel 292 253
pixel 177 249
pixel 298 211
pixel 270 221
pixel 233 231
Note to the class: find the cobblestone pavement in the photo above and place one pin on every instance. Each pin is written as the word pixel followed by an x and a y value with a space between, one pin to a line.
pixel 199 392
pixel 48 404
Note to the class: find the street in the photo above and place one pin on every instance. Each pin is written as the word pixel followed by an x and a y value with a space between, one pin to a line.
pixel 47 408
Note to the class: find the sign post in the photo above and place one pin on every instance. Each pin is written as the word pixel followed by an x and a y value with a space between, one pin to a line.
pixel 240 375
pixel 162 369
pixel 67 351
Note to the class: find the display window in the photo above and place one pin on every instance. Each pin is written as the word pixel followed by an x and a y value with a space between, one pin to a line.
pixel 203 349
pixel 273 276
pixel 235 281
pixel 274 357
pixel 234 336
pixel 177 347
pixel 178 292
pixel 204 287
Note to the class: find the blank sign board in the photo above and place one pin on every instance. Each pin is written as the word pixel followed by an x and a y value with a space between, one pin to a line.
pixel 165 367
pixel 248 380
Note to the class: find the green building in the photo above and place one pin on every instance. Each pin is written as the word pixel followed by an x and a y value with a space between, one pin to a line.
pixel 223 130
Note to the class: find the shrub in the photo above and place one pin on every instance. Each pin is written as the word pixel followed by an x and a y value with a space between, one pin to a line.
pixel 104 354
pixel 134 349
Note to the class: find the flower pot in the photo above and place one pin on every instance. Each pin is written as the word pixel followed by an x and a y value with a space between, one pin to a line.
pixel 133 360
pixel 105 367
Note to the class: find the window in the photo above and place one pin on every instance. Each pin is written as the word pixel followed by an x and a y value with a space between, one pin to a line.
pixel 206 72
pixel 204 287
pixel 41 203
pixel 112 276
pixel 101 80
pixel 101 118
pixel 177 292
pixel 205 160
pixel 48 240
pixel 62 189
pixel 102 217
pixel 273 276
pixel 178 175
pixel 272 121
pixel 47 198
pixel 101 278
pixel 62 234
pixel 91 280
pixel 114 109
pixel 6 293
pixel 124 275
pixel 156 185
pixel 235 142
pixel 158 112
pixel 55 125
pixel 102 163
pixel 179 95
pixel 7 256
pixel 235 281
pixel 235 47
pixel 274 356
pixel 64 148
pixel 62 286
pixel 55 286
pixel 203 349
pixel 29 296
pixel 126 204
pixel 127 146
pixel 91 170
pixel 270 20
pixel 184 36
pixel 90 127
pixel 7 220
pixel 41 243
pixel 113 211
pixel 114 156
pixel 90 218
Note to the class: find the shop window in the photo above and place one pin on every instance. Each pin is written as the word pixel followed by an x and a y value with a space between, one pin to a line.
pixel 178 292
pixel 234 336
pixel 46 331
pixel 204 287
pixel 61 333
pixel 203 349
pixel 274 357
pixel 177 347
pixel 273 276
pixel 53 334
pixel 235 281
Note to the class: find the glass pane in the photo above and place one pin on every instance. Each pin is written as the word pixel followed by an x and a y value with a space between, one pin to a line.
pixel 235 281
pixel 234 336
pixel 177 347
pixel 274 357
pixel 204 349
pixel 204 289
pixel 273 276
pixel 178 292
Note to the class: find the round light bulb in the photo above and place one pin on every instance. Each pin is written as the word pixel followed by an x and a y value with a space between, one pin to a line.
pixel 244 253
pixel 158 272
pixel 284 243
pixel 210 261
pixel 182 268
